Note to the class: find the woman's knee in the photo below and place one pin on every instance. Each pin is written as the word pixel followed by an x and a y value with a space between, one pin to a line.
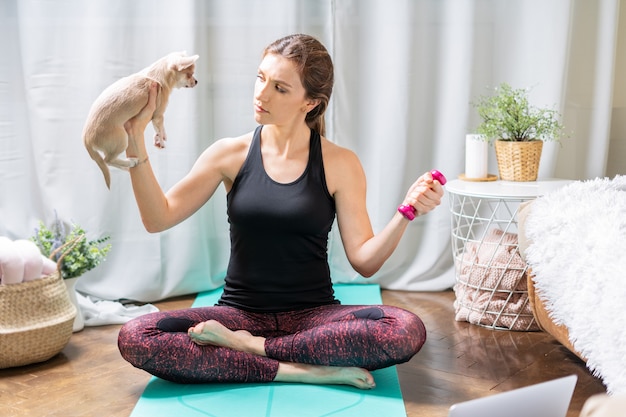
pixel 417 330
pixel 133 342
pixel 408 337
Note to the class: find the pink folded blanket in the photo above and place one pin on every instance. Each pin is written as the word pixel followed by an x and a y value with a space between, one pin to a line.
pixel 491 288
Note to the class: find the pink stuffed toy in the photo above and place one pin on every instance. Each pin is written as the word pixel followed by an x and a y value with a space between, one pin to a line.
pixel 33 261
pixel 21 261
pixel 11 263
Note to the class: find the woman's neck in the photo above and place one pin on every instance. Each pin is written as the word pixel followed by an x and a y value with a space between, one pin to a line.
pixel 286 140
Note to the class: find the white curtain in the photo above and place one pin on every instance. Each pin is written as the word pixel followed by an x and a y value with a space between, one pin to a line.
pixel 407 72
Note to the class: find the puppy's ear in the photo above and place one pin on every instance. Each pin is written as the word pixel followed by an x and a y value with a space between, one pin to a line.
pixel 184 62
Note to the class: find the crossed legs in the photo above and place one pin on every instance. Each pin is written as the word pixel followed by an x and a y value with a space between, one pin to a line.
pixel 325 345
pixel 213 333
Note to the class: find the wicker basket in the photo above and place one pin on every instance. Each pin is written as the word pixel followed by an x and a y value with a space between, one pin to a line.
pixel 518 161
pixel 36 319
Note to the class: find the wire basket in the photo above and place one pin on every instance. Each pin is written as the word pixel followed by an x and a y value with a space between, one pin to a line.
pixel 490 288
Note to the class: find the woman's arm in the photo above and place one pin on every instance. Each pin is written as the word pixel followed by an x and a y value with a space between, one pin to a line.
pixel 367 251
pixel 160 211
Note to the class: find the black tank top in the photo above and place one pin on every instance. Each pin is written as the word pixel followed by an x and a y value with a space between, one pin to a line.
pixel 279 236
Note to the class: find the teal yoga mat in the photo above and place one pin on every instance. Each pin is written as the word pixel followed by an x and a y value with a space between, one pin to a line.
pixel 166 399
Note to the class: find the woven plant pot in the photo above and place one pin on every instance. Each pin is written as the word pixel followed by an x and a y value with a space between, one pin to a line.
pixel 518 161
pixel 36 320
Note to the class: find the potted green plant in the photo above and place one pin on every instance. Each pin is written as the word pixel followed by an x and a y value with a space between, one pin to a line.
pixel 74 254
pixel 518 130
pixel 79 254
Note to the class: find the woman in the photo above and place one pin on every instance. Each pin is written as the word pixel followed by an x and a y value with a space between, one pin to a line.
pixel 277 319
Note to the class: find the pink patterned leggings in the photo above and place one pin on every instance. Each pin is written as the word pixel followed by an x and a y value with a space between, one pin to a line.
pixel 369 337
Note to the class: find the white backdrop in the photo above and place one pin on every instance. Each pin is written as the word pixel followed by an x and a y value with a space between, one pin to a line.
pixel 406 74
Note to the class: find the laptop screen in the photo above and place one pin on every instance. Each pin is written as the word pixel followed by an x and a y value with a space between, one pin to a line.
pixel 546 399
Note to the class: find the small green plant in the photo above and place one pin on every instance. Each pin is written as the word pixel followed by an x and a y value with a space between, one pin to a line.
pixel 79 255
pixel 508 116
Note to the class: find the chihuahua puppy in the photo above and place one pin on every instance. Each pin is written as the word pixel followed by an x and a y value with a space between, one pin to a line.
pixel 104 135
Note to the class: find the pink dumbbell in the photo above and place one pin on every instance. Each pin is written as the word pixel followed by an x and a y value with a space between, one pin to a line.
pixel 409 211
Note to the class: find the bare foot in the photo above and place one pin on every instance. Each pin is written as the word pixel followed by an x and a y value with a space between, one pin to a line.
pixel 317 374
pixel 215 333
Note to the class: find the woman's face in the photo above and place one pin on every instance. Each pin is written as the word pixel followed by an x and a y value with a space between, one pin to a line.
pixel 279 96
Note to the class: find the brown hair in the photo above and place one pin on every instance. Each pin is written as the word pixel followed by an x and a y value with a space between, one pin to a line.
pixel 316 72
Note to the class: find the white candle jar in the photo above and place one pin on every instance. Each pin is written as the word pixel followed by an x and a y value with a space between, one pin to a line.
pixel 476 156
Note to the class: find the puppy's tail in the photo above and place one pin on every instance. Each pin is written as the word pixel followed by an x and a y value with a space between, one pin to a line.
pixel 95 155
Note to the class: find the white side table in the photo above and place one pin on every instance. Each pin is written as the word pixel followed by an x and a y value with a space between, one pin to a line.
pixel 491 289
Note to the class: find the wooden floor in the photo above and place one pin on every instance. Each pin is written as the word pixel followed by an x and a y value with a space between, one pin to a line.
pixel 459 362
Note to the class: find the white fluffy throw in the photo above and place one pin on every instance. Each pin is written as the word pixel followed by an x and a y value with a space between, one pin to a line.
pixel 578 255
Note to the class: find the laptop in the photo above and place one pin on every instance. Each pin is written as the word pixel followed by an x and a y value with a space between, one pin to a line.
pixel 546 399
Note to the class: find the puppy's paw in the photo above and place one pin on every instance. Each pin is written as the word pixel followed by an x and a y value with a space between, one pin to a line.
pixel 123 163
pixel 132 162
pixel 159 140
